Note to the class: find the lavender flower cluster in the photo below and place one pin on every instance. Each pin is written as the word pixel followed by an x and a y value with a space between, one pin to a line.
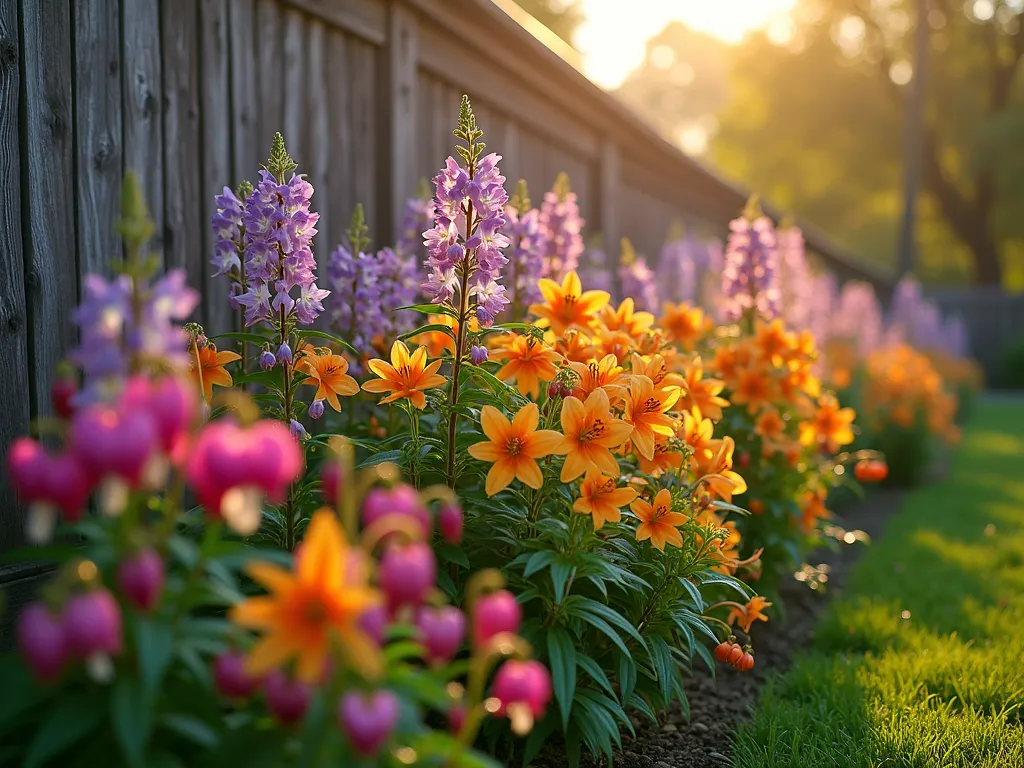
pixel 465 244
pixel 637 280
pixel 125 323
pixel 526 264
pixel 919 321
pixel 417 216
pixel 595 273
pixel 682 263
pixel 229 243
pixel 562 228
pixel 279 229
pixel 750 271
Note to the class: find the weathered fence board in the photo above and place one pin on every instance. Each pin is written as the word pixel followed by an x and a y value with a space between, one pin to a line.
pixel 339 112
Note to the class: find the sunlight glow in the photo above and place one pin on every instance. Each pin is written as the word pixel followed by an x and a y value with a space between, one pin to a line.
pixel 613 36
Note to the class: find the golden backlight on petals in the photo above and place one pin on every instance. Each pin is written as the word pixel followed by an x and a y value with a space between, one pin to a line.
pixel 329 374
pixel 513 447
pixel 405 377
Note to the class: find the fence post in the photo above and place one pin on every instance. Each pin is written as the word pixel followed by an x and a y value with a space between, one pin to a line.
pixel 401 56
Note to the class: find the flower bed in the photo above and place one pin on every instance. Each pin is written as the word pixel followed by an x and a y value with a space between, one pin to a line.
pixel 429 513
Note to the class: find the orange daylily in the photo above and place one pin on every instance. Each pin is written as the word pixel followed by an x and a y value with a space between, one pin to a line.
pixel 567 306
pixel 572 345
pixel 312 607
pixel 212 363
pixel 329 374
pixel 772 429
pixel 657 521
pixel 747 614
pixel 698 392
pixel 830 425
pixel 406 376
pixel 530 361
pixel 601 498
pixel 813 509
pixel 655 369
pixel 718 474
pixel 605 373
pixel 685 324
pixel 645 410
pixel 697 432
pixel 773 340
pixel 625 319
pixel 755 387
pixel 514 447
pixel 666 457
pixel 590 431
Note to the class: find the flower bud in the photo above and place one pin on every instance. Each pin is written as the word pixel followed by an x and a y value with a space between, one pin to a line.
pixel 368 719
pixel 441 631
pixel 478 354
pixel 401 499
pixel 92 624
pixel 407 573
pixel 284 354
pixel 42 641
pixel 230 676
pixel 267 360
pixel 62 393
pixel 495 613
pixel 456 718
pixel 297 430
pixel 450 522
pixel 287 699
pixel 141 579
pixel 316 409
pixel 522 682
pixel 743 460
pixel 171 403
pixel 554 389
pixel 330 480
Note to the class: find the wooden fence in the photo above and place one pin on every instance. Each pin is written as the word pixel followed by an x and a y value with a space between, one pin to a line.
pixel 993 319
pixel 188 93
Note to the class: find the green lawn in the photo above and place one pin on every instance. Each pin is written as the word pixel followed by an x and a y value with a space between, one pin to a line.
pixel 921 662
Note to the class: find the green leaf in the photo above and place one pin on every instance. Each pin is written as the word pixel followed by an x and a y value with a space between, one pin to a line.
pixel 131 713
pixel 404 650
pixel 381 458
pixel 21 692
pixel 702 651
pixel 561 570
pixel 252 338
pixel 191 728
pixel 613 617
pixel 429 309
pixel 718 504
pixel 313 731
pixel 70 720
pixel 562 655
pixel 538 561
pixel 593 669
pixel 627 677
pixel 604 628
pixel 710 577
pixel 664 666
pixel 312 334
pixel 431 328
pixel 450 553
pixel 155 644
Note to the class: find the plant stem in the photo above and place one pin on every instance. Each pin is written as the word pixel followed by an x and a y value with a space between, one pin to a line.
pixel 460 347
pixel 289 503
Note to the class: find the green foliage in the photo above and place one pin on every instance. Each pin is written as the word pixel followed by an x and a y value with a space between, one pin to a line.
pixel 280 162
pixel 1012 367
pixel 917 664
pixel 358 231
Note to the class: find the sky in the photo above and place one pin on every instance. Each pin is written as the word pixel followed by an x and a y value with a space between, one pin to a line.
pixel 612 37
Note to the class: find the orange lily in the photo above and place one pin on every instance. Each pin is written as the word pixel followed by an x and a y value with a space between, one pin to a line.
pixel 605 373
pixel 567 306
pixel 572 345
pixel 718 474
pixel 813 509
pixel 772 429
pixel 601 498
pixel 618 343
pixel 665 458
pixel 698 392
pixel 312 607
pixel 633 324
pixel 655 369
pixel 530 362
pixel 747 614
pixel 406 376
pixel 657 521
pixel 830 426
pixel 212 363
pixel 645 410
pixel 773 340
pixel 755 387
pixel 590 431
pixel 514 447
pixel 685 324
pixel 329 374
pixel 697 432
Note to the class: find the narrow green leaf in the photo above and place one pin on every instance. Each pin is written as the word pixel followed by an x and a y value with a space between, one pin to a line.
pixel 131 714
pixel 613 617
pixel 429 309
pixel 627 677
pixel 69 721
pixel 593 669
pixel 431 328
pixel 538 561
pixel 561 570
pixel 710 577
pixel 381 458
pixel 604 628
pixel 562 655
pixel 664 667
pixel 252 338
pixel 155 643
pixel 191 728
pixel 309 333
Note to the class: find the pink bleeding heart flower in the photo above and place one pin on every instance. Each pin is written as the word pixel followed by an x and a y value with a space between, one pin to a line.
pixel 330 480
pixel 441 631
pixel 407 573
pixel 92 624
pixel 171 402
pixel 495 613
pixel 230 677
pixel 46 484
pixel 522 682
pixel 374 622
pixel 108 442
pixel 28 465
pixel 368 719
pixel 42 641
pixel 287 698
pixel 450 521
pixel 141 578
pixel 402 500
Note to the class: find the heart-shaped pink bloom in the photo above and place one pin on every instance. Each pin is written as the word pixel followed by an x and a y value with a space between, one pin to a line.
pixel 441 630
pixel 368 719
pixel 105 442
pixel 42 641
pixel 495 613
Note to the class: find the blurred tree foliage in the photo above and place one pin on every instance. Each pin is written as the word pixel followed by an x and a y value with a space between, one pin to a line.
pixel 560 16
pixel 814 124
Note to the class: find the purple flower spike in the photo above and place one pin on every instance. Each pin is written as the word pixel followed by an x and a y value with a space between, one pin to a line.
pixel 750 271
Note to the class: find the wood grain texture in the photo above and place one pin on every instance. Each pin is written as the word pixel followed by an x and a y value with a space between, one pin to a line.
pixel 339 172
pixel 297 94
pixel 318 155
pixel 365 19
pixel 14 364
pixel 183 227
pixel 400 107
pixel 244 116
pixel 268 59
pixel 51 270
pixel 98 134
pixel 215 114
pixel 142 104
pixel 363 76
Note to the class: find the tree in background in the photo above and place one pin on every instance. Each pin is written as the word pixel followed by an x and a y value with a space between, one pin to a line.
pixel 560 16
pixel 814 123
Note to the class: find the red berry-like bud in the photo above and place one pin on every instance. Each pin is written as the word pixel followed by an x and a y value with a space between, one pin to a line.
pixel 735 654
pixel 141 579
pixel 42 641
pixel 743 460
pixel 522 682
pixel 722 651
pixel 62 392
pixel 230 676
pixel 368 720
pixel 287 699
pixel 407 573
pixel 92 624
pixel 456 718
pixel 450 521
pixel 554 389
pixel 441 631
pixel 330 481
pixel 495 613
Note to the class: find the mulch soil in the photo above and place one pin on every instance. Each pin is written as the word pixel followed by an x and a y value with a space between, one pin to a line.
pixel 718 704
